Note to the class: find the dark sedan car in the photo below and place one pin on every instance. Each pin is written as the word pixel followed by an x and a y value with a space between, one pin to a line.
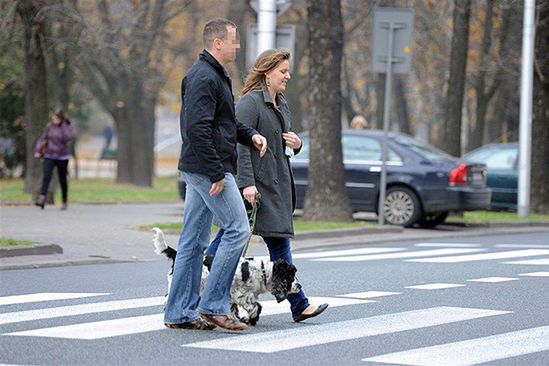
pixel 502 163
pixel 423 184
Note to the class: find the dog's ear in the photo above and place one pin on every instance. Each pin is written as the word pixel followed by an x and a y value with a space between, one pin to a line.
pixel 208 260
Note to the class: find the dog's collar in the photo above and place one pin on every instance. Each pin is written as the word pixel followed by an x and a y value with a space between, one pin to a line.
pixel 263 274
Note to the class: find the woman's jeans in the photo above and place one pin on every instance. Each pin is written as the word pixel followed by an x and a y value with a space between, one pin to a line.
pixel 278 248
pixel 62 166
pixel 184 299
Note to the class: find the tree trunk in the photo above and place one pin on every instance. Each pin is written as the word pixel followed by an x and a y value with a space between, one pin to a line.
pixel 35 89
pixel 380 100
pixel 401 105
pixel 326 197
pixel 458 61
pixel 539 194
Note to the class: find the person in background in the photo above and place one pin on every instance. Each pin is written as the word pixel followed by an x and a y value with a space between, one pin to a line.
pixel 53 145
pixel 359 122
pixel 264 108
pixel 210 132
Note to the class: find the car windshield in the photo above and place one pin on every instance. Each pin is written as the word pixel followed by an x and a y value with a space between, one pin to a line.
pixel 427 151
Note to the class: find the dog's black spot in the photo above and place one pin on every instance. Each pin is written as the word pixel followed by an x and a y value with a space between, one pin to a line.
pixel 245 270
pixel 283 277
pixel 208 260
pixel 170 253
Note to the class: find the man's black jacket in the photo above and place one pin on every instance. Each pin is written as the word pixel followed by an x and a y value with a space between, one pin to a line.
pixel 209 128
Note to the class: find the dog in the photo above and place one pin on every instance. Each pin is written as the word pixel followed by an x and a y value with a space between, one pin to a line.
pixel 253 277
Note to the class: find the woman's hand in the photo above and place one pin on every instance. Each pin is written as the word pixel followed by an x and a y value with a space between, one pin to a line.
pixel 250 193
pixel 292 140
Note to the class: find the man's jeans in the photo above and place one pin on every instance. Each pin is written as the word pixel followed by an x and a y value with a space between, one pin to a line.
pixel 184 300
pixel 278 248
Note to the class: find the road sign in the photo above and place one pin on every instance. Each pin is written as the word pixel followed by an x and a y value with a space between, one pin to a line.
pixel 401 23
pixel 285 38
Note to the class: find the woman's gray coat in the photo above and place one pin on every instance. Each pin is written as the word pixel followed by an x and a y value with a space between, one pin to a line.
pixel 271 174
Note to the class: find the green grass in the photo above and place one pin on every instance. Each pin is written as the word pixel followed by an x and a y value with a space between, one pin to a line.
pixel 494 216
pixel 97 190
pixel 9 242
pixel 299 226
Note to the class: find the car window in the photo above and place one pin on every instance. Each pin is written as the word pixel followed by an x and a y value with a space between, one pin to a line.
pixel 427 151
pixel 495 157
pixel 364 148
pixel 354 148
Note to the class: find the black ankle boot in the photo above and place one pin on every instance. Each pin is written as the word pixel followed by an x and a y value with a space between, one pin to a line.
pixel 64 205
pixel 41 202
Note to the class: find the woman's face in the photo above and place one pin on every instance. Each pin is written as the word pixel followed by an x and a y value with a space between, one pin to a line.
pixel 56 119
pixel 278 77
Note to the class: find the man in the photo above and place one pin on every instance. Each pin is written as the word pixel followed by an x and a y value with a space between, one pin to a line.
pixel 210 133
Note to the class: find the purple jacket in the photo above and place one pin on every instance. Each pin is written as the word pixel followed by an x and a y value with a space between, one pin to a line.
pixel 59 137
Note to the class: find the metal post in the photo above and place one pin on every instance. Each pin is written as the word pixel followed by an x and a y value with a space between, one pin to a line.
pixel 387 103
pixel 266 25
pixel 526 96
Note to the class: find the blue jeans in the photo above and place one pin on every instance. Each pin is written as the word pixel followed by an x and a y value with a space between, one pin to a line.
pixel 184 301
pixel 278 248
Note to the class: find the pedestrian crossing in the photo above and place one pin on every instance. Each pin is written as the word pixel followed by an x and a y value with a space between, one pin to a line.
pixel 54 315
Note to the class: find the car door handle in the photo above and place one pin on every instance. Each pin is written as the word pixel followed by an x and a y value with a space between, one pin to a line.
pixel 375 169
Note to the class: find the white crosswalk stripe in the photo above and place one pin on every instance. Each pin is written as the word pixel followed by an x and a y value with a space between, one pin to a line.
pixel 534 262
pixel 415 254
pixel 148 323
pixel 485 256
pixel 447 245
pixel 21 316
pixel 44 296
pixel 288 339
pixel 473 351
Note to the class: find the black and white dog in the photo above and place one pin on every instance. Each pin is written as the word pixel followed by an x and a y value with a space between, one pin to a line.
pixel 253 277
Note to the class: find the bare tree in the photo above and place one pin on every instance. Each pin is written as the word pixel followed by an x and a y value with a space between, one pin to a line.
pixel 33 17
pixel 458 61
pixel 121 48
pixel 326 197
pixel 540 129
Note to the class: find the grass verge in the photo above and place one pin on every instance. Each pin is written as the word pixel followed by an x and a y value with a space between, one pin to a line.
pixel 9 242
pixel 299 226
pixel 494 216
pixel 97 191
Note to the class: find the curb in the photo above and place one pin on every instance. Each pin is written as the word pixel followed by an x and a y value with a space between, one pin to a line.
pixel 30 250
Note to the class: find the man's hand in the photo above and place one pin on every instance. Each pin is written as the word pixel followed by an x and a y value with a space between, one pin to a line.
pixel 292 140
pixel 217 187
pixel 260 143
pixel 250 193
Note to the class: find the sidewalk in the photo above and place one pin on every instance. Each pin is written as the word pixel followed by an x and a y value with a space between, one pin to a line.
pixel 86 234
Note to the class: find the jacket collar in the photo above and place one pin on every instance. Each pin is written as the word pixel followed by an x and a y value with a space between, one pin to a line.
pixel 267 98
pixel 207 57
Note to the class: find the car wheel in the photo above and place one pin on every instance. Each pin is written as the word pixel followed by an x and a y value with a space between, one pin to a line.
pixel 432 220
pixel 401 207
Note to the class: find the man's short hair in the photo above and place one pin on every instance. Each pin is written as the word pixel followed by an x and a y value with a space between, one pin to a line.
pixel 216 28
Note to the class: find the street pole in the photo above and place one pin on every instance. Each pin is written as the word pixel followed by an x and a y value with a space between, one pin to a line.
pixel 266 25
pixel 387 103
pixel 526 97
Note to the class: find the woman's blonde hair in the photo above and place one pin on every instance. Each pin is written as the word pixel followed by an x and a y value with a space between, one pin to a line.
pixel 264 63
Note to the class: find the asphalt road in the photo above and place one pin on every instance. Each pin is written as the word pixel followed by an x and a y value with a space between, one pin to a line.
pixel 472 306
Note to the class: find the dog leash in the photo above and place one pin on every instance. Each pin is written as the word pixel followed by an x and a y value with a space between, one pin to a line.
pixel 252 215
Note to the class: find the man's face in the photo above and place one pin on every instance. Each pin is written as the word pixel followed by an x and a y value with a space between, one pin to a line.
pixel 230 45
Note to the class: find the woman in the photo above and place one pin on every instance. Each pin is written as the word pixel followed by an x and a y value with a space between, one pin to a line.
pixel 53 146
pixel 263 107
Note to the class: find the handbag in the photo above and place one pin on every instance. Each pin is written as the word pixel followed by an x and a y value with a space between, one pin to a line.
pixel 44 145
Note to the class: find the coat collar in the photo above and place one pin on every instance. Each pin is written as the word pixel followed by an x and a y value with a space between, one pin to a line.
pixel 268 100
pixel 207 57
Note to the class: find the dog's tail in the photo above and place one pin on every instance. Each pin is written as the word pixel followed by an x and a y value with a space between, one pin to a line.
pixel 161 247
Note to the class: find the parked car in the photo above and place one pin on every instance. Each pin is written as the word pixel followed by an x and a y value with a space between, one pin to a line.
pixel 423 183
pixel 502 163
